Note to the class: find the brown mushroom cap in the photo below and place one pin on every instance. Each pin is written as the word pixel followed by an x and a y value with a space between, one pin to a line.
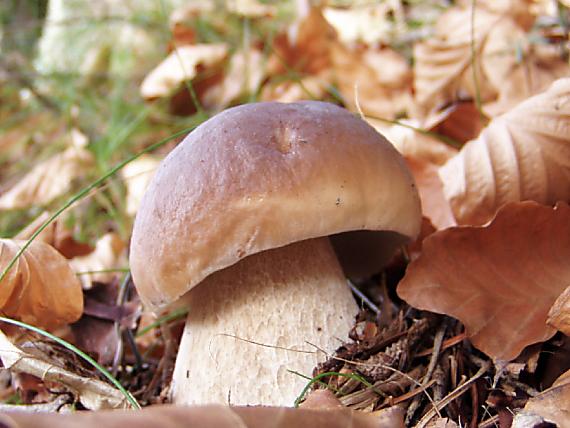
pixel 261 176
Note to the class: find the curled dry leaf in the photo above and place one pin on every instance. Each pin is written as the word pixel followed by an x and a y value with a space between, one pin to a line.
pixel 48 180
pixel 108 255
pixel 136 175
pixel 40 289
pixel 551 405
pixel 92 393
pixel 206 416
pixel 181 65
pixel 522 155
pixel 499 280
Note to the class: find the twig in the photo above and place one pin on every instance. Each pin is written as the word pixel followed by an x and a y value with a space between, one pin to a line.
pixel 457 392
pixel 50 407
pixel 363 297
pixel 431 367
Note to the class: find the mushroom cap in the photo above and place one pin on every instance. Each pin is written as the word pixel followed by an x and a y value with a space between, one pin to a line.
pixel 261 176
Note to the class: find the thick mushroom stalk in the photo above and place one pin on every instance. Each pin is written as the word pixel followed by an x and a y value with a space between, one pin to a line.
pixel 252 325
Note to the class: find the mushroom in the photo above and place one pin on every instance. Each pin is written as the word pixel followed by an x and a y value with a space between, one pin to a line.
pixel 235 226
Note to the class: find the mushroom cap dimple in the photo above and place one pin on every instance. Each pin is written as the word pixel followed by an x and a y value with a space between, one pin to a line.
pixel 261 176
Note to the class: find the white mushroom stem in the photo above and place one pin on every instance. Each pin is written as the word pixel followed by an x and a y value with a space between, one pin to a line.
pixel 251 325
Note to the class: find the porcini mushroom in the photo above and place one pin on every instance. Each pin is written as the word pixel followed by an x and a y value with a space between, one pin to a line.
pixel 235 224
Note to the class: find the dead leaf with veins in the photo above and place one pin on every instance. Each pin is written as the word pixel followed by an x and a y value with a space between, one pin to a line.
pixel 40 289
pixel 443 62
pixel 109 254
pixel 509 68
pixel 551 405
pixel 48 180
pixel 500 280
pixel 521 155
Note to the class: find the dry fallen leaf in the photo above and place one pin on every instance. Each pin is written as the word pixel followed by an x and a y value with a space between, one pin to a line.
pixel 522 155
pixel 499 280
pixel 434 204
pixel 559 314
pixel 108 255
pixel 214 416
pixel 40 289
pixel 48 180
pixel 443 62
pixel 551 405
pixel 181 65
pixel 243 76
pixel 366 23
pixel 414 144
pixel 508 67
pixel 358 78
pixel 56 234
pixel 306 46
pixel 136 175
pixel 92 393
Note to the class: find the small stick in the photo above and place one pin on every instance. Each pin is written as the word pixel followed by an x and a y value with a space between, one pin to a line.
pixel 457 392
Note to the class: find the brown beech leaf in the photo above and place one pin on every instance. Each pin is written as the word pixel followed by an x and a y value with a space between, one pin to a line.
pixel 358 76
pixel 522 155
pixel 434 204
pixel 48 180
pixel 40 289
pixel 444 65
pixel 183 64
pixel 305 48
pixel 244 75
pixel 414 144
pixel 499 280
pixel 559 314
pixel 443 62
pixel 551 405
pixel 213 416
